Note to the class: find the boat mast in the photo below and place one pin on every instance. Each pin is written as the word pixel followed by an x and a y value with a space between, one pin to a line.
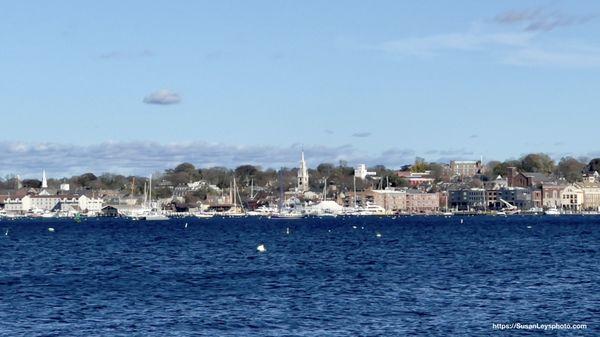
pixel 354 183
pixel 145 194
pixel 234 193
pixel 150 190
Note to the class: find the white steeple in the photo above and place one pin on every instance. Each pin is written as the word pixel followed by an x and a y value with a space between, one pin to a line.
pixel 302 175
pixel 44 181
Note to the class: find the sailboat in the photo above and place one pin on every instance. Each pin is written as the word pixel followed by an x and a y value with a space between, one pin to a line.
pixel 148 212
pixel 235 210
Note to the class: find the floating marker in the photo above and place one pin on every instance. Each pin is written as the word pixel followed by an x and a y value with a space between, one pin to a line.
pixel 287 231
pixel 354 227
pixel 461 220
pixel 50 229
pixel 261 248
pixel 185 225
pixel 378 235
pixel 528 226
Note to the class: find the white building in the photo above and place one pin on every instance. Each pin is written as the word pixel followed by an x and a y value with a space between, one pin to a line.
pixel 302 176
pixel 361 172
pixel 47 203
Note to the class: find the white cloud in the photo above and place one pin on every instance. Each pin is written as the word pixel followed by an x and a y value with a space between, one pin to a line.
pixel 162 97
pixel 516 49
pixel 470 41
pixel 570 57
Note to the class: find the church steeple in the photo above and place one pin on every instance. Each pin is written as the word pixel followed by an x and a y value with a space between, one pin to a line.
pixel 44 181
pixel 302 175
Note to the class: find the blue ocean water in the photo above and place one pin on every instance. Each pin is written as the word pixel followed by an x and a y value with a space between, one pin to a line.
pixel 423 276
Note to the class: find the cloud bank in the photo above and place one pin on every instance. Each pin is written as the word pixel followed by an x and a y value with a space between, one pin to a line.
pixel 162 97
pixel 143 158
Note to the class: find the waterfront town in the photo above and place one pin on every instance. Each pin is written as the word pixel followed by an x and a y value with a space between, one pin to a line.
pixel 534 184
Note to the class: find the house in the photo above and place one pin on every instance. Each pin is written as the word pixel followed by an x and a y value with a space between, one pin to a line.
pixel 109 211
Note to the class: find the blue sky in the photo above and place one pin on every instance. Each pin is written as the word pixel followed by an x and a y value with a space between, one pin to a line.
pixel 376 82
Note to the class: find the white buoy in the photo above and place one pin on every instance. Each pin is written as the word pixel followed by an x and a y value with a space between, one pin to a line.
pixel 354 227
pixel 362 227
pixel 378 235
pixel 50 229
pixel 287 231
pixel 185 225
pixel 461 221
pixel 6 232
pixel 329 230
pixel 528 226
pixel 261 248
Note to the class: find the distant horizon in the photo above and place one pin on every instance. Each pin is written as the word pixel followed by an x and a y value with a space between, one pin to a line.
pixel 145 158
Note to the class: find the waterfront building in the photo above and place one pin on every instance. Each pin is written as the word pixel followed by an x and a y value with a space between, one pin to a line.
pixel 572 198
pixel 47 203
pixel 520 197
pixel 591 194
pixel 391 200
pixel 468 199
pixel 551 195
pixel 420 202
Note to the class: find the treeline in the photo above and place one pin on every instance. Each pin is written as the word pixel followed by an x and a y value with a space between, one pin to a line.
pixel 569 168
pixel 340 175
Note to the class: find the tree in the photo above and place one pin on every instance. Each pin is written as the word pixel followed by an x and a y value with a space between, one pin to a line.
pixel 419 166
pixel 594 165
pixel 87 180
pixel 537 162
pixel 438 172
pixel 31 183
pixel 570 168
pixel 245 173
pixel 325 169
pixel 396 181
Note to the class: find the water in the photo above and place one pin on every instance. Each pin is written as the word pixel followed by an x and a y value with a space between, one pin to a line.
pixel 424 276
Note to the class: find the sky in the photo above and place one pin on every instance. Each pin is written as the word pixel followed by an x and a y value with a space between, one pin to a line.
pixel 138 86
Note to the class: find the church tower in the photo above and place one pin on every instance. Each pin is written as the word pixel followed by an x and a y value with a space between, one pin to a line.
pixel 302 175
pixel 44 180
